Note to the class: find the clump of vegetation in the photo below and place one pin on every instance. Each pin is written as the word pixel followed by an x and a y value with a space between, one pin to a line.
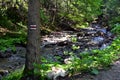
pixel 16 75
pixel 11 42
pixel 116 28
pixel 13 20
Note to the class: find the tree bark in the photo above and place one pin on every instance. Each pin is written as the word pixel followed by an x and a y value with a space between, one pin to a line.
pixel 33 42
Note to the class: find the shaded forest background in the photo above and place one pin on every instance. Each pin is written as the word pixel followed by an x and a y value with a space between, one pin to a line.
pixel 56 15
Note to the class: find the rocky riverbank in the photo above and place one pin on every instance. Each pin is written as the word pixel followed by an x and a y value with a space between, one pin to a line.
pixel 56 44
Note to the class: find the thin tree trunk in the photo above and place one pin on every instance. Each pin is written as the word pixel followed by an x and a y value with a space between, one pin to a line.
pixel 33 44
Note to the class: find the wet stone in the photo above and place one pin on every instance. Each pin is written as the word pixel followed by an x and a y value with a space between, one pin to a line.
pixel 5 54
pixel 98 40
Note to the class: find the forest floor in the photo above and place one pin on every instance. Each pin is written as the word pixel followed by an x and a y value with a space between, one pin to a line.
pixel 113 73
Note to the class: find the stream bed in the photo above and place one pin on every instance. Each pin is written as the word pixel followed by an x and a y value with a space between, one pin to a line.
pixel 56 44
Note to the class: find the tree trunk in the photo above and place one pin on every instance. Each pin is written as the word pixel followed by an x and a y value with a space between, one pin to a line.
pixel 33 42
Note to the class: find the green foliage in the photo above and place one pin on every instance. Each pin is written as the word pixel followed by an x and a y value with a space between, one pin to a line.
pixel 74 39
pixel 44 17
pixel 17 32
pixel 6 44
pixel 9 42
pixel 4 22
pixel 116 28
pixel 94 71
pixel 112 10
pixel 75 47
pixel 114 20
pixel 82 11
pixel 16 75
pixel 13 12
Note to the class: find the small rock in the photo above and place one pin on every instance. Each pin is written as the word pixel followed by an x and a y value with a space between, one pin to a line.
pixel 56 72
pixel 68 60
pixel 4 72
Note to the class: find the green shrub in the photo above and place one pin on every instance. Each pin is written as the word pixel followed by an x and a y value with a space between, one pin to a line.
pixel 16 75
pixel 9 42
pixel 116 28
